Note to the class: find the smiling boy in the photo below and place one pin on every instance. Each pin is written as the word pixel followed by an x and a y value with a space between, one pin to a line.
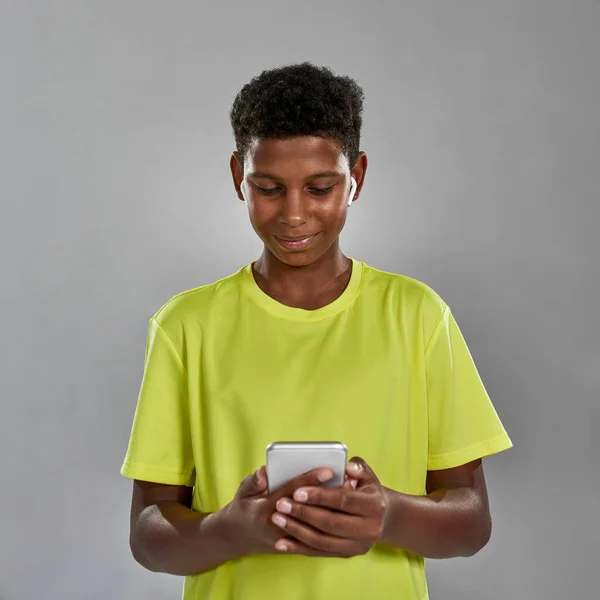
pixel 306 343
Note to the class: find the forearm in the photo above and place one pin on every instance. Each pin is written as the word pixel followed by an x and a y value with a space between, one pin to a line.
pixel 443 524
pixel 171 538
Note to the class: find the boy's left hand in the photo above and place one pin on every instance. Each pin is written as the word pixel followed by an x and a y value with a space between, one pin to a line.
pixel 336 521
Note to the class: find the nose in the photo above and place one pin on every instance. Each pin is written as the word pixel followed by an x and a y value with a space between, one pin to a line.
pixel 294 208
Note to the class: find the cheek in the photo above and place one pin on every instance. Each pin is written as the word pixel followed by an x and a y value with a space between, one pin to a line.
pixel 335 218
pixel 259 215
pixel 263 210
pixel 261 221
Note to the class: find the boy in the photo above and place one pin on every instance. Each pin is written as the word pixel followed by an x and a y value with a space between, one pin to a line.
pixel 307 344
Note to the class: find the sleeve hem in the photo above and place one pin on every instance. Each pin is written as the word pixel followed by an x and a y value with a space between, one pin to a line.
pixel 157 474
pixel 462 456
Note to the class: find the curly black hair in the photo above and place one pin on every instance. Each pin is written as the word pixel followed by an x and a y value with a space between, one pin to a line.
pixel 298 99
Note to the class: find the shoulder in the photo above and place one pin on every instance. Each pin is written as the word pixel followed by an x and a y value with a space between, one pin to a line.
pixel 413 297
pixel 191 307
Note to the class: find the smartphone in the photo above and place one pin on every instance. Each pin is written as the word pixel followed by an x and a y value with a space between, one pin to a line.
pixel 287 460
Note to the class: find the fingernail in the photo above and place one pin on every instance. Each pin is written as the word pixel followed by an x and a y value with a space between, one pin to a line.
pixel 284 506
pixel 353 483
pixel 278 520
pixel 355 467
pixel 300 495
pixel 324 475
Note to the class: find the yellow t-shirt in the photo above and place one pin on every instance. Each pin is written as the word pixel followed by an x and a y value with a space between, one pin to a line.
pixel 384 369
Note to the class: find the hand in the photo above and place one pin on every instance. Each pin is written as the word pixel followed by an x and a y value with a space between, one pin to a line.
pixel 316 530
pixel 248 515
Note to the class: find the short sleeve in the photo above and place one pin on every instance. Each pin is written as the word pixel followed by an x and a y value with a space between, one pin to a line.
pixel 463 423
pixel 160 448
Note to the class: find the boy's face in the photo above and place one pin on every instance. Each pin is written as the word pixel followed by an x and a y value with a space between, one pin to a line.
pixel 286 200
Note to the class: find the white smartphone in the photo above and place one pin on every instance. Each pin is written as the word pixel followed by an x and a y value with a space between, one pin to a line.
pixel 287 460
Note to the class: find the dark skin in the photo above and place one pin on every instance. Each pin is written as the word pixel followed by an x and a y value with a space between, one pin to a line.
pixel 293 204
pixel 345 522
pixel 454 518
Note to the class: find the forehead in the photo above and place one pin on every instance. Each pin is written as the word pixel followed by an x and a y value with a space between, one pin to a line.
pixel 297 154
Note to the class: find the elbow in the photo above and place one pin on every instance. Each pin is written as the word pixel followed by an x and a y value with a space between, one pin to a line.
pixel 139 556
pixel 480 536
pixel 134 549
pixel 475 547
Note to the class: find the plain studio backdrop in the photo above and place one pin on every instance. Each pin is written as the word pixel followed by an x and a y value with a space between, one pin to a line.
pixel 482 128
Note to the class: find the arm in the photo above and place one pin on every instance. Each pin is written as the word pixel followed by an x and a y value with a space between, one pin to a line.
pixel 453 519
pixel 167 536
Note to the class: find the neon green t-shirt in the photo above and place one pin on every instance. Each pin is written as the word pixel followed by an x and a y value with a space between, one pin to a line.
pixel 384 369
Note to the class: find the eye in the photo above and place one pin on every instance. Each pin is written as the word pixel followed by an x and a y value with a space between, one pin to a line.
pixel 269 191
pixel 321 191
pixel 266 191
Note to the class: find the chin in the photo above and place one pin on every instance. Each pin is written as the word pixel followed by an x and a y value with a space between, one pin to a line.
pixel 295 259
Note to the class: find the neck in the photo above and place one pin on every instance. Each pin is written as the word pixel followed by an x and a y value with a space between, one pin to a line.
pixel 302 281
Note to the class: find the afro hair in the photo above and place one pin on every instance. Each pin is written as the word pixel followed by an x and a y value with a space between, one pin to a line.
pixel 297 100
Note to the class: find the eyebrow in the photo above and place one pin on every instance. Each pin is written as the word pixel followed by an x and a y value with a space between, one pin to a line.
pixel 263 175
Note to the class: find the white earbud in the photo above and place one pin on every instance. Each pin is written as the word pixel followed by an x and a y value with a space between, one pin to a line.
pixel 352 190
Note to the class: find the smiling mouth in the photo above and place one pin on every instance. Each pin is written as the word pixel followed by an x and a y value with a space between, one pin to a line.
pixel 295 243
pixel 295 239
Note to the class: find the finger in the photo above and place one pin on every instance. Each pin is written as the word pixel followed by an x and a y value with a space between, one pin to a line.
pixel 324 520
pixel 313 477
pixel 362 472
pixel 252 485
pixel 293 546
pixel 262 482
pixel 349 483
pixel 261 477
pixel 314 538
pixel 352 502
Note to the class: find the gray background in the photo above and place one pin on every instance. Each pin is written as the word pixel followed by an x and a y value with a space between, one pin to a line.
pixel 482 130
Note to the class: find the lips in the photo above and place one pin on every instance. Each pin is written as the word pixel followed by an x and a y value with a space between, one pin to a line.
pixel 296 238
pixel 296 243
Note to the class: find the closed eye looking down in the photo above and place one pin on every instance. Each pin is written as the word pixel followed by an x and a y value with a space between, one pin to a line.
pixel 319 191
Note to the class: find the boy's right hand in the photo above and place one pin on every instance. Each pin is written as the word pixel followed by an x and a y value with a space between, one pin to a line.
pixel 248 515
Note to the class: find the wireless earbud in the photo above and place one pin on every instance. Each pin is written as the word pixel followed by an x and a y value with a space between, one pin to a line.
pixel 352 190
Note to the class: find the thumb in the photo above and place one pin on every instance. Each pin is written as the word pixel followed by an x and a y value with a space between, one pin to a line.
pixel 362 472
pixel 255 483
pixel 261 478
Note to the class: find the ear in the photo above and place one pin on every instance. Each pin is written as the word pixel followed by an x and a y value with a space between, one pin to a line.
pixel 237 174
